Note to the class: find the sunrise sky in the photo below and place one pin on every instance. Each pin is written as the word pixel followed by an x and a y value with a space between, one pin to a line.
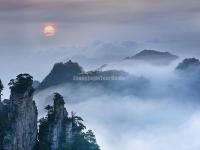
pixel 93 29
pixel 158 110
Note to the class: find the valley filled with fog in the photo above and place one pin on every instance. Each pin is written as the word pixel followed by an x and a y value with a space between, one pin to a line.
pixel 157 108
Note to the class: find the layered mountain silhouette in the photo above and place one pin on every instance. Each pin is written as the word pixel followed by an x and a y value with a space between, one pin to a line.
pixel 110 80
pixel 65 72
pixel 73 72
pixel 154 57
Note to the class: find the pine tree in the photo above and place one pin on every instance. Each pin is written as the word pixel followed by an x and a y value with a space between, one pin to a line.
pixel 21 83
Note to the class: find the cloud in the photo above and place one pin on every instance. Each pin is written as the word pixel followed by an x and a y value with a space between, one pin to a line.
pixel 174 23
pixel 118 50
pixel 165 116
pixel 85 10
pixel 149 24
pixel 128 123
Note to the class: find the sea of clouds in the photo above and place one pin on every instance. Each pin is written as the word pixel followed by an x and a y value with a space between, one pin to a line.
pixel 166 116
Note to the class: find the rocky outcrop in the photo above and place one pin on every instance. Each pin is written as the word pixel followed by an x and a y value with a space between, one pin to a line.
pixel 54 130
pixel 58 131
pixel 57 127
pixel 19 127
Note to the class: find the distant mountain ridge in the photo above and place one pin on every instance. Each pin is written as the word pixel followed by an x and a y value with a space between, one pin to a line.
pixel 61 73
pixel 111 80
pixel 65 72
pixel 154 57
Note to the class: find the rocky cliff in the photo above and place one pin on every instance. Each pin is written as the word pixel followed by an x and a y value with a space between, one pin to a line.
pixel 57 131
pixel 52 128
pixel 19 116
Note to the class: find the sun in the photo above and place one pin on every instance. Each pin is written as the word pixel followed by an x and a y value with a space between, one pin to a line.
pixel 49 30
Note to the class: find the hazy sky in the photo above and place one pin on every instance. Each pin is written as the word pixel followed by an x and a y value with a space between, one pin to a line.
pixel 120 27
pixel 97 31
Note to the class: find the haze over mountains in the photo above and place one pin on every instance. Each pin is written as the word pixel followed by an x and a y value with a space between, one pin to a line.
pixel 137 79
pixel 131 78
pixel 132 75
pixel 64 72
pixel 20 128
pixel 160 100
pixel 149 102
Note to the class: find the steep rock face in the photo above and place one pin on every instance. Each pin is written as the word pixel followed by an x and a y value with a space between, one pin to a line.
pixel 57 131
pixel 20 113
pixel 60 114
pixel 54 131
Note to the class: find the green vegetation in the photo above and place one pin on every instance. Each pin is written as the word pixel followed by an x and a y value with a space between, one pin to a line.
pixel 85 141
pixel 21 83
pixel 78 138
pixel 69 133
pixel 58 99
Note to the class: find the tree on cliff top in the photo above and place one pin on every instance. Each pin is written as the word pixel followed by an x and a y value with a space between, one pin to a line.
pixel 77 123
pixel 21 83
pixel 58 99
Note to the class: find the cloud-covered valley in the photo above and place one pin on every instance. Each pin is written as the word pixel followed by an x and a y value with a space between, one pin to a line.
pixel 165 115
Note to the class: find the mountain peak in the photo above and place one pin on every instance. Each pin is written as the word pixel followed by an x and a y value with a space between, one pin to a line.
pixel 154 57
pixel 188 63
pixel 61 73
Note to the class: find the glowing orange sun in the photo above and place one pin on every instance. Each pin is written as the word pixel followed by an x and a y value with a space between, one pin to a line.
pixel 49 30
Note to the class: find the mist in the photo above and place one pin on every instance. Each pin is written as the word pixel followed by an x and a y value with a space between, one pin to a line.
pixel 155 108
pixel 165 115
